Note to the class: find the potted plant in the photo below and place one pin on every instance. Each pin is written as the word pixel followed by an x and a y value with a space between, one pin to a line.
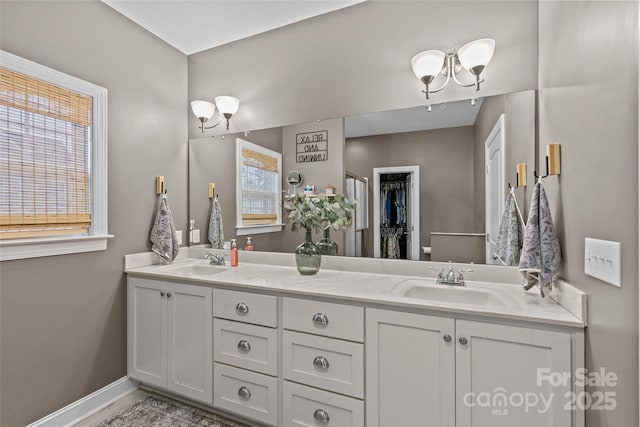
pixel 335 213
pixel 305 212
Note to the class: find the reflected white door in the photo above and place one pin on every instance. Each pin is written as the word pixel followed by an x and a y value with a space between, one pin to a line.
pixel 494 187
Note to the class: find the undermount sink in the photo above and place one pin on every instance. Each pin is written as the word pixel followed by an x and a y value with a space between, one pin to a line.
pixel 427 290
pixel 198 269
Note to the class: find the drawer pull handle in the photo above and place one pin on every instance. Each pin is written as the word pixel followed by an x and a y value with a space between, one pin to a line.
pixel 321 416
pixel 321 362
pixel 320 319
pixel 244 393
pixel 242 308
pixel 447 338
pixel 244 345
pixel 161 293
pixel 463 341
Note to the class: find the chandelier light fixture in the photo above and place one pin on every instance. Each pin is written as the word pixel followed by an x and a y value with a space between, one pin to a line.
pixel 226 106
pixel 473 57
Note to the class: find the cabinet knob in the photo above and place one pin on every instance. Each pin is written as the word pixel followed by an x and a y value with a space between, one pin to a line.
pixel 168 294
pixel 242 308
pixel 321 362
pixel 244 345
pixel 320 319
pixel 463 341
pixel 321 416
pixel 161 293
pixel 447 338
pixel 244 393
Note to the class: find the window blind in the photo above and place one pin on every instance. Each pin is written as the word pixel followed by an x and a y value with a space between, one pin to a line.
pixel 45 135
pixel 260 179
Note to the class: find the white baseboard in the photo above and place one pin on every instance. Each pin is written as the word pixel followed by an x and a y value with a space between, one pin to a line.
pixel 82 408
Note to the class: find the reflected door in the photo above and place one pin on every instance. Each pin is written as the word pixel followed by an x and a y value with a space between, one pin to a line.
pixel 494 187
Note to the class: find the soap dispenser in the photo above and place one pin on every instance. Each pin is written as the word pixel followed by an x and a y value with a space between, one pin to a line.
pixel 249 245
pixel 234 253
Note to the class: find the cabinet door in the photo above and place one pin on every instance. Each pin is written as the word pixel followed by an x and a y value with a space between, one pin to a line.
pixel 500 376
pixel 147 331
pixel 410 370
pixel 190 341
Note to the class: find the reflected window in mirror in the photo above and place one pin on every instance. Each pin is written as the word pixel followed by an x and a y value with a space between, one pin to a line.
pixel 259 187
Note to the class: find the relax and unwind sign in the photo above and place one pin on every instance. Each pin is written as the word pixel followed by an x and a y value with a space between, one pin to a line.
pixel 312 146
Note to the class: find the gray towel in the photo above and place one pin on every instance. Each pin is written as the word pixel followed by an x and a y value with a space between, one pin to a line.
pixel 540 257
pixel 216 231
pixel 163 234
pixel 510 233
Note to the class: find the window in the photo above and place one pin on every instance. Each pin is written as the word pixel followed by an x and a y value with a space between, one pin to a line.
pixel 53 187
pixel 259 185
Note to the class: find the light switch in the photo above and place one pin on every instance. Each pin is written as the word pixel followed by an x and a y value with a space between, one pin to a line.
pixel 179 236
pixel 602 260
pixel 194 236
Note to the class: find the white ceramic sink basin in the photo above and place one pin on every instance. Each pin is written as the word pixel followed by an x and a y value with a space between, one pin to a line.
pixel 427 290
pixel 196 269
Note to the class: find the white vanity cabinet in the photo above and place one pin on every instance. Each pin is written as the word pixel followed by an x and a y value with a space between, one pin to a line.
pixel 410 370
pixel 438 371
pixel 322 363
pixel 169 338
pixel 511 365
pixel 246 364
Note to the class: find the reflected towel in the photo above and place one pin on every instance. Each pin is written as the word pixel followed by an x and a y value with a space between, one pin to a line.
pixel 216 230
pixel 163 234
pixel 510 233
pixel 540 257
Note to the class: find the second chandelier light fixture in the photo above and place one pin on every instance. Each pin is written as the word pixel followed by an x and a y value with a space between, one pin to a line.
pixel 473 57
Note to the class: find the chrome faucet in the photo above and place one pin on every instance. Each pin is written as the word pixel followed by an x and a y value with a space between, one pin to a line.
pixel 450 278
pixel 214 259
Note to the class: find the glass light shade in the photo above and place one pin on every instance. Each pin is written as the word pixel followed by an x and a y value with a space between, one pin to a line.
pixel 203 109
pixel 227 104
pixel 477 52
pixel 428 63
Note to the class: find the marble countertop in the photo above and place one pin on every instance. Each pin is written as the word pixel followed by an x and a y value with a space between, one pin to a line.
pixel 376 282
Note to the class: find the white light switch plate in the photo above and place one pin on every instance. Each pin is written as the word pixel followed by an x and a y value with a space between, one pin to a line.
pixel 602 260
pixel 195 236
pixel 179 236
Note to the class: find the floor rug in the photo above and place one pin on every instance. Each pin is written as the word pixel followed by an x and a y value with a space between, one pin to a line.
pixel 157 411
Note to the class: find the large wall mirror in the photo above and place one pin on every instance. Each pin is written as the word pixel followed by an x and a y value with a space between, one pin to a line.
pixel 446 142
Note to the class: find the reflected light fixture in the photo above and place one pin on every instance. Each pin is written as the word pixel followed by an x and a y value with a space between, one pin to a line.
pixel 226 106
pixel 473 57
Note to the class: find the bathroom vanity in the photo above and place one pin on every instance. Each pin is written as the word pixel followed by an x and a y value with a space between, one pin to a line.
pixel 363 342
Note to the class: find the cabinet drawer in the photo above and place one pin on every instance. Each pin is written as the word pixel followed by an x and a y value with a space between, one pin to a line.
pixel 326 363
pixel 246 346
pixel 305 406
pixel 246 307
pixel 245 393
pixel 324 318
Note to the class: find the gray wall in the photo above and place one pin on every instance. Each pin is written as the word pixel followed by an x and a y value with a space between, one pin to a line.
pixel 589 104
pixel 214 160
pixel 445 157
pixel 63 318
pixel 357 60
pixel 519 109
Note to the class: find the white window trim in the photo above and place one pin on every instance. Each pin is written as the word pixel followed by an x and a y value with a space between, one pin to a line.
pixel 96 239
pixel 243 230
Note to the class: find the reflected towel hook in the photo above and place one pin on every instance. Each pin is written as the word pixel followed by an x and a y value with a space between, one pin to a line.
pixel 535 173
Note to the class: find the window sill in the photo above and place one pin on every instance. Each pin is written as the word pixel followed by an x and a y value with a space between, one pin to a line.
pixel 243 230
pixel 41 247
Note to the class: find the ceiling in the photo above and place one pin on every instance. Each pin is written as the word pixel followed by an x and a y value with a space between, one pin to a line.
pixel 192 26
pixel 450 114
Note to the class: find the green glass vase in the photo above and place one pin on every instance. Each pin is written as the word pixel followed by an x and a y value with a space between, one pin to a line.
pixel 308 256
pixel 326 245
